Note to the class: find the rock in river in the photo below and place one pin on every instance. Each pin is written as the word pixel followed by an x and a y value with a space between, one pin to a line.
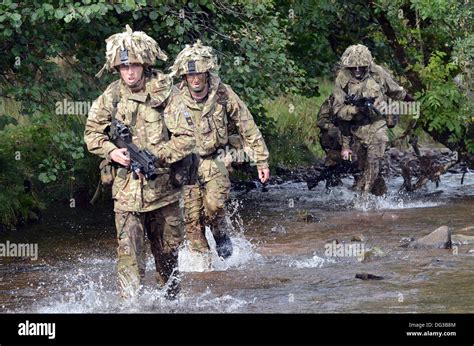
pixel 440 238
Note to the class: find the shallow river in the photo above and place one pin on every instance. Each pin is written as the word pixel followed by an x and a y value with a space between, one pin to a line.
pixel 280 263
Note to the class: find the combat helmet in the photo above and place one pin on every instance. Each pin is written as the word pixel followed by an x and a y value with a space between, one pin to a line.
pixel 356 55
pixel 194 59
pixel 130 47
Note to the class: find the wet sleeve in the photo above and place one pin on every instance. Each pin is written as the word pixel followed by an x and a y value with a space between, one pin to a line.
pixel 98 119
pixel 182 140
pixel 394 90
pixel 251 136
pixel 324 116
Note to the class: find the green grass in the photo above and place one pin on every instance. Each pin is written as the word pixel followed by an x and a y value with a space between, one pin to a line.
pixel 297 136
pixel 296 141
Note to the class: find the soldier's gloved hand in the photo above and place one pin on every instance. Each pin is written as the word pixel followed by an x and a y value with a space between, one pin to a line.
pixel 120 155
pixel 346 153
pixel 408 98
pixel 363 109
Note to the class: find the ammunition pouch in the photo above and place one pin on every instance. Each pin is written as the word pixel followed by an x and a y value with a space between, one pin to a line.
pixel 331 139
pixel 392 120
pixel 185 171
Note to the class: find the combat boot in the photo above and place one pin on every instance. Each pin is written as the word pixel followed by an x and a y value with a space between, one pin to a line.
pixel 224 245
pixel 173 286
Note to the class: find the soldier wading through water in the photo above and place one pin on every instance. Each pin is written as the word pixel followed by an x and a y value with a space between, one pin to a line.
pixel 142 206
pixel 219 120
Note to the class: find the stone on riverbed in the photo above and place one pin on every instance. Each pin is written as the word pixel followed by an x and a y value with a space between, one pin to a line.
pixel 440 238
pixel 367 276
pixel 371 254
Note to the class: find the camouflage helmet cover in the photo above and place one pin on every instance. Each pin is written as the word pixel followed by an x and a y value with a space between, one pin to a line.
pixel 131 47
pixel 356 56
pixel 194 59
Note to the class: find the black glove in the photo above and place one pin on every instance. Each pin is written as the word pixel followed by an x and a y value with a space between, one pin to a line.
pixel 334 132
pixel 363 109
pixel 408 98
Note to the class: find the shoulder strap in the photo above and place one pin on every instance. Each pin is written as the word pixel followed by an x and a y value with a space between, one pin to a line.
pixel 115 99
pixel 222 96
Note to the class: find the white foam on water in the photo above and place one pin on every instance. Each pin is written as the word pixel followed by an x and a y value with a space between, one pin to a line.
pixel 80 297
pixel 243 251
pixel 278 197
pixel 390 202
pixel 313 262
pixel 192 261
pixel 225 303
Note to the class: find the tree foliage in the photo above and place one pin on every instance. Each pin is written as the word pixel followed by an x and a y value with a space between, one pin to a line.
pixel 267 48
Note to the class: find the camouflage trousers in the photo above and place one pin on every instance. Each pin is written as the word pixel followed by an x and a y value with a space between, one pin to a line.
pixel 163 227
pixel 204 204
pixel 331 143
pixel 370 142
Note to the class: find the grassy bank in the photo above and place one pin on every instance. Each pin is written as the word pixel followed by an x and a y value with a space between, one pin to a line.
pixel 296 142
pixel 297 136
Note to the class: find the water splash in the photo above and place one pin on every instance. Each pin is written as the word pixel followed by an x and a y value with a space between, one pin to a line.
pixel 313 262
pixel 243 251
pixel 192 261
pixel 227 302
pixel 80 294
pixel 389 202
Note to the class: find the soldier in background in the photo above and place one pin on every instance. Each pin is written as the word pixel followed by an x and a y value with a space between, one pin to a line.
pixel 361 77
pixel 331 131
pixel 214 111
pixel 141 206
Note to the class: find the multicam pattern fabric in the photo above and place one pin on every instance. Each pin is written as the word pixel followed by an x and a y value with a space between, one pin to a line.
pixel 356 55
pixel 143 112
pixel 369 132
pixel 195 59
pixel 140 47
pixel 165 232
pixel 214 122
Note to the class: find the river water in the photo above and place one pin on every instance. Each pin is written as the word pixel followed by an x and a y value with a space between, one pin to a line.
pixel 280 263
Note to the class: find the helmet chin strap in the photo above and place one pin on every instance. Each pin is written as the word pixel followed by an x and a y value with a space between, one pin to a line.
pixel 138 85
pixel 199 95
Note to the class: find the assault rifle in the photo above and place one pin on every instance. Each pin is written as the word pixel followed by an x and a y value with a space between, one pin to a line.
pixel 331 174
pixel 142 161
pixel 183 172
pixel 363 103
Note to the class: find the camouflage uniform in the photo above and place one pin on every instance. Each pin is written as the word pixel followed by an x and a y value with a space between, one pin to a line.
pixel 330 136
pixel 142 206
pixel 369 131
pixel 214 121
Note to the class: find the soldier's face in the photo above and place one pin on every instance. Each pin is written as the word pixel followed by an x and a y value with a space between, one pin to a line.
pixel 131 74
pixel 358 72
pixel 196 81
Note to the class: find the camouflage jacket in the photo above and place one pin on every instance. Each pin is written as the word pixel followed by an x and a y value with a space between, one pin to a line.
pixel 213 121
pixel 143 112
pixel 377 83
pixel 325 115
